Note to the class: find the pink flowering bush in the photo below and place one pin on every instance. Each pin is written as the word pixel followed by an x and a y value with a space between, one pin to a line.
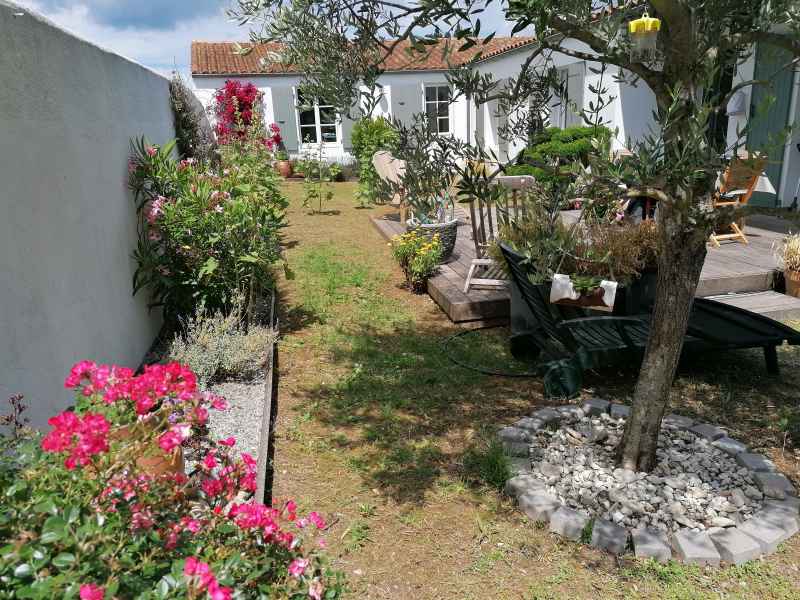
pixel 238 109
pixel 206 234
pixel 81 517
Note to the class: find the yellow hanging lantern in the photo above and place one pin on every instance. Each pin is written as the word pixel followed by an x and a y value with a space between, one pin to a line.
pixel 644 33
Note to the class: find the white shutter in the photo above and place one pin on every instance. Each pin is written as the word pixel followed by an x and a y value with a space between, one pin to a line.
pixel 576 73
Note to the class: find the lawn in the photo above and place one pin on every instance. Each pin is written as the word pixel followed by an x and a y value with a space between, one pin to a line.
pixel 380 431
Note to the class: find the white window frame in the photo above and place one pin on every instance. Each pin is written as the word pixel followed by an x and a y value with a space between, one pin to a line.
pixel 425 102
pixel 318 125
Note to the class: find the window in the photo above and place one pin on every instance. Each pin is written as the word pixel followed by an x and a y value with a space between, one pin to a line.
pixel 317 121
pixel 437 108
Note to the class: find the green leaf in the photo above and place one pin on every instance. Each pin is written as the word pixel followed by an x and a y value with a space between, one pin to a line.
pixel 64 560
pixel 250 258
pixel 53 530
pixel 15 488
pixel 46 506
pixel 23 570
pixel 208 267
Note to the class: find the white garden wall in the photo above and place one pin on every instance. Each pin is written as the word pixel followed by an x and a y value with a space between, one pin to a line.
pixel 67 112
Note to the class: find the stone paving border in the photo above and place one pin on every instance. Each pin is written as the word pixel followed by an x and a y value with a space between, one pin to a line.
pixel 773 524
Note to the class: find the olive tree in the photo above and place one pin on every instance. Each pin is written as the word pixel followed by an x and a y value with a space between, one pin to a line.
pixel 340 46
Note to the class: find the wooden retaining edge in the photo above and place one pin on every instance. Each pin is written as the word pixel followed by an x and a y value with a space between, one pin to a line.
pixel 266 447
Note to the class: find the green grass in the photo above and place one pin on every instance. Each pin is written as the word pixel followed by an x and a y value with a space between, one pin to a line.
pixel 384 427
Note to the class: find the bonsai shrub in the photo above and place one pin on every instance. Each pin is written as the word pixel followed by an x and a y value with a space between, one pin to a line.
pixel 368 137
pixel 419 257
pixel 81 518
pixel 555 147
pixel 206 235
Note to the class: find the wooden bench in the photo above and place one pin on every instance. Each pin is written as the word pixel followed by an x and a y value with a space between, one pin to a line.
pixel 559 332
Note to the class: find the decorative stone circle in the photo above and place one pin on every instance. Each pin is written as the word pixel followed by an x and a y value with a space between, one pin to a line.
pixel 708 499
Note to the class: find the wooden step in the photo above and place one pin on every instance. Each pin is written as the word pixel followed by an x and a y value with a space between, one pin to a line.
pixel 770 304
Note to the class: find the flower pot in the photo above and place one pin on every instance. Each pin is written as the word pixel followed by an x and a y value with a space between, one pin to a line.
pixel 792 283
pixel 153 461
pixel 284 168
pixel 447 231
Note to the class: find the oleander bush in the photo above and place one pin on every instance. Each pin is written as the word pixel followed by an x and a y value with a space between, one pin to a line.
pixel 206 234
pixel 82 513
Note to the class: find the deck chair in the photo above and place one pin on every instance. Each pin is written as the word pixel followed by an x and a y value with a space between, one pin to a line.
pixel 390 170
pixel 484 271
pixel 738 184
pixel 558 335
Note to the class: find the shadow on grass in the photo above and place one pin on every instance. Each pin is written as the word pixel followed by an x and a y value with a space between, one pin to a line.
pixel 411 415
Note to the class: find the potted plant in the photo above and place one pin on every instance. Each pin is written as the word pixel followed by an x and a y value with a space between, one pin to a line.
pixel 789 258
pixel 428 180
pixel 418 256
pixel 283 164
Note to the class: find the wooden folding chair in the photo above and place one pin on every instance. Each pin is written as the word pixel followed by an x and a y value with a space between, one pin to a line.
pixel 391 170
pixel 485 225
pixel 738 183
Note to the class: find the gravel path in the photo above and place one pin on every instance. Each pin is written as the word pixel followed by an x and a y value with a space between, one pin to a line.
pixel 242 420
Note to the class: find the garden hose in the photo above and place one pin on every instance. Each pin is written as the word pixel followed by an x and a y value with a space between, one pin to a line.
pixel 478 369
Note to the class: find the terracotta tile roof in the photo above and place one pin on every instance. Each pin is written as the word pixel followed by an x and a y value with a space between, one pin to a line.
pixel 220 58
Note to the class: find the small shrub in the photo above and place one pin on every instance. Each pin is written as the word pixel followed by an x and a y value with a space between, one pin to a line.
pixel 789 424
pixel 318 174
pixel 216 346
pixel 192 130
pixel 488 465
pixel 418 256
pixel 368 137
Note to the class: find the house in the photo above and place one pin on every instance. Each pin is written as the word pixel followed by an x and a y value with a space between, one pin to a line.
pixel 417 83
pixel 410 85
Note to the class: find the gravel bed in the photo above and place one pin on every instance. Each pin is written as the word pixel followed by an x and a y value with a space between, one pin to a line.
pixel 694 484
pixel 242 420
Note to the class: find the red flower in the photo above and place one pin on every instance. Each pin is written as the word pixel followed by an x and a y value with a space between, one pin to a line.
pixel 82 437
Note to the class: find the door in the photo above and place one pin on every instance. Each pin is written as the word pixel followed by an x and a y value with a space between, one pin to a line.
pixel 768 122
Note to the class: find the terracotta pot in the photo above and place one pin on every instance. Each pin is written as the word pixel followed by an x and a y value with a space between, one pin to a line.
pixel 154 461
pixel 284 168
pixel 792 283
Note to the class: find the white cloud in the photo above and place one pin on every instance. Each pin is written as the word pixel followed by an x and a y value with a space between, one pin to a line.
pixel 160 49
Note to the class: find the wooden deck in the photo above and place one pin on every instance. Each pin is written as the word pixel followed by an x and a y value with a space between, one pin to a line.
pixel 738 274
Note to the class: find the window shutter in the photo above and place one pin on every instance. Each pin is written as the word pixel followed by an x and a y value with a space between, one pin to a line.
pixel 575 84
pixel 285 116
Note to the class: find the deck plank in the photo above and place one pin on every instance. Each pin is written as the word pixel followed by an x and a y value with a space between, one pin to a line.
pixel 734 268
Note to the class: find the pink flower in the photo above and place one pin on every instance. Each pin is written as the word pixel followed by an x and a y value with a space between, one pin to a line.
pixel 210 461
pixel 315 589
pixel 317 520
pixel 83 437
pixel 92 591
pixel 173 438
pixel 298 567
pixel 151 151
pixel 200 414
pixel 231 441
pixel 217 592
pixel 219 403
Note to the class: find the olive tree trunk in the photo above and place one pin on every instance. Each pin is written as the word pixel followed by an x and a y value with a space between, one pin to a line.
pixel 680 261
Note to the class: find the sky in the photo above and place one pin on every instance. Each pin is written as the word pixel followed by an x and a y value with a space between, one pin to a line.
pixel 156 33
